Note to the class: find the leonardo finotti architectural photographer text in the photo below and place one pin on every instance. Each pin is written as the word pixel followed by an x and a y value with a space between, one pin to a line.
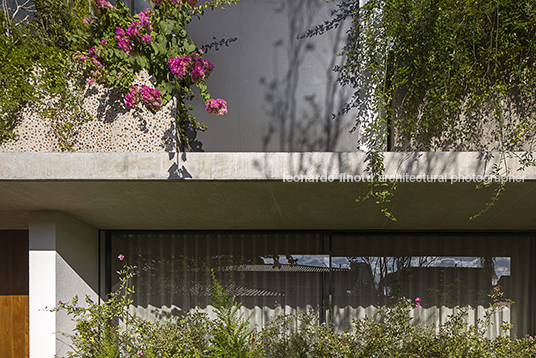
pixel 404 178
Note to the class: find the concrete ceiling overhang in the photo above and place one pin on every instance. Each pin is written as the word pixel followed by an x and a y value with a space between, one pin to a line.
pixel 276 191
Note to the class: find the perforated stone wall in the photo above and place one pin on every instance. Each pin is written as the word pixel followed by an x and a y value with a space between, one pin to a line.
pixel 114 128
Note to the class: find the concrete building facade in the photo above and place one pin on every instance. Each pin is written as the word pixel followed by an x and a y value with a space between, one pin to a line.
pixel 271 188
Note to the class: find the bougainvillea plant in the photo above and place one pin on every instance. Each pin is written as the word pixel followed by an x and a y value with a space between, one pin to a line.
pixel 118 46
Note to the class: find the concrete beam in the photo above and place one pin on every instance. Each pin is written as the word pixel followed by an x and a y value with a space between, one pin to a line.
pixel 244 166
pixel 246 191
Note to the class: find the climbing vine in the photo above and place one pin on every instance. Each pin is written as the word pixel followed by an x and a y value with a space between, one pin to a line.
pixel 33 69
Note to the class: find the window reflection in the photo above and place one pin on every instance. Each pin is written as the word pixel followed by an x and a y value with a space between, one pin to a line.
pixel 268 274
pixel 339 277
pixel 437 280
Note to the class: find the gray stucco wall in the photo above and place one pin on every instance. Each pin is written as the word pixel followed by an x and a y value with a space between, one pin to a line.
pixel 281 91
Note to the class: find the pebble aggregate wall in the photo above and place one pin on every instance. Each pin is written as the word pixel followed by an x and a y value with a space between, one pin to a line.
pixel 114 128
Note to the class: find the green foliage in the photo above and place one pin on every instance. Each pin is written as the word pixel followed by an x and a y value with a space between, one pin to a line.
pixel 35 69
pixel 54 21
pixel 432 61
pixel 298 335
pixel 97 333
pixel 109 330
pixel 229 332
pixel 434 73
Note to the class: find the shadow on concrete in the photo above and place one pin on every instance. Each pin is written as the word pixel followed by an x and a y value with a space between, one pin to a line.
pixel 299 101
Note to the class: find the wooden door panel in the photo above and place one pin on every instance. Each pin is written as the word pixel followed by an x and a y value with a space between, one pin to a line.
pixel 14 299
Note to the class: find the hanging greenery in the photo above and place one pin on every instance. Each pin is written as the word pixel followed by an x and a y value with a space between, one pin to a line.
pixel 440 75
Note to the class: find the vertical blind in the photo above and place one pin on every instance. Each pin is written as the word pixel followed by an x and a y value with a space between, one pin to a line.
pixel 338 277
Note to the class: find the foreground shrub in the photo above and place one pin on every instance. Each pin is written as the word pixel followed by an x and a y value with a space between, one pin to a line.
pixel 109 330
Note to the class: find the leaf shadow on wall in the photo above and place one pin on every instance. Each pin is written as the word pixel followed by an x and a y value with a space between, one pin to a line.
pixel 302 116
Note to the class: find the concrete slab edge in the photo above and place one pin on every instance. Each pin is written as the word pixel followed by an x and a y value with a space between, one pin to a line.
pixel 319 166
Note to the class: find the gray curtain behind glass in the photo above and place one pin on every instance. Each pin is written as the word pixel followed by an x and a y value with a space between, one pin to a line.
pixel 338 277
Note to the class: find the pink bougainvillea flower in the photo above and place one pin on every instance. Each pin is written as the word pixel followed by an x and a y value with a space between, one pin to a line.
pixel 121 257
pixel 122 39
pixel 206 64
pixel 146 39
pixel 140 352
pixel 151 98
pixel 97 63
pixel 135 35
pixel 103 3
pixel 96 74
pixel 80 56
pixel 119 31
pixel 90 81
pixel 98 5
pixel 93 52
pixel 131 99
pixel 180 66
pixel 201 68
pixel 87 21
pixel 144 15
pixel 124 45
pixel 103 42
pixel 145 19
pixel 198 74
pixel 216 106
pixel 133 31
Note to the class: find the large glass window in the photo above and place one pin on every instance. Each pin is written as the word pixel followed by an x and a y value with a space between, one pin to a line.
pixel 268 273
pixel 340 277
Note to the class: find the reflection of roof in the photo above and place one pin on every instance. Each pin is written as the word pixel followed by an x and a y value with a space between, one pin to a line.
pixel 282 268
pixel 235 290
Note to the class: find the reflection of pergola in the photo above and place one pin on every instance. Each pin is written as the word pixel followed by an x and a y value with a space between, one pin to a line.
pixel 275 280
pixel 235 290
